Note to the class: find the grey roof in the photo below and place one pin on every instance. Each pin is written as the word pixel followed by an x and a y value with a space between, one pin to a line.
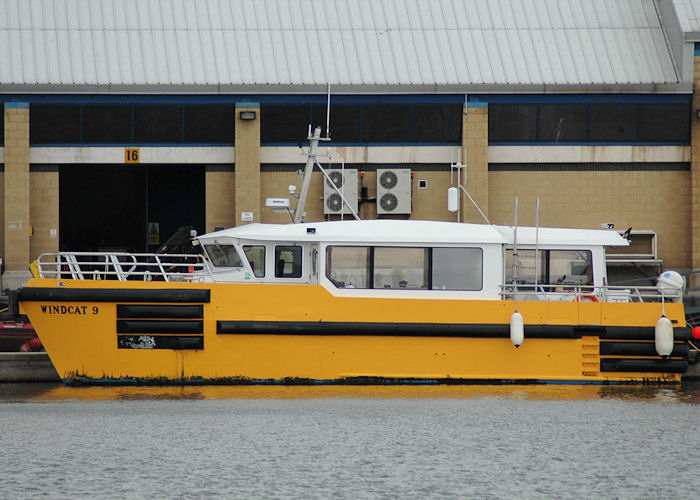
pixel 364 46
pixel 688 12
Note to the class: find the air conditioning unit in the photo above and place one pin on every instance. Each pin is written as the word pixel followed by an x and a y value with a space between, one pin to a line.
pixel 346 181
pixel 394 191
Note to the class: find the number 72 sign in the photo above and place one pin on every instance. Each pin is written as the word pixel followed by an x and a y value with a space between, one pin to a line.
pixel 131 155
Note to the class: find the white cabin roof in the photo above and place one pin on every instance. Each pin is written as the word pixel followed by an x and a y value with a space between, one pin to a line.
pixel 385 231
pixel 564 236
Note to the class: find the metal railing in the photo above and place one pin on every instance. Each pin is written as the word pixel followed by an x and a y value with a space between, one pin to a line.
pixel 589 293
pixel 123 266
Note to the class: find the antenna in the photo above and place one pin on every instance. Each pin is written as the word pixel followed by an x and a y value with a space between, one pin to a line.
pixel 311 161
pixel 328 113
pixel 515 244
pixel 537 239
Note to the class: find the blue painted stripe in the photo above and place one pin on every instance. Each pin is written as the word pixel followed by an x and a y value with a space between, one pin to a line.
pixel 133 144
pixel 16 105
pixel 697 48
pixel 477 104
pixel 364 144
pixel 244 104
pixel 228 145
pixel 588 99
pixel 585 143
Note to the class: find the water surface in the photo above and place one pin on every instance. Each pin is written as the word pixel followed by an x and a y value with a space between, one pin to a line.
pixel 350 442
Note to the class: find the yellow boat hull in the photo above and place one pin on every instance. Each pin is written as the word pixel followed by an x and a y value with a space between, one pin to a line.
pixel 111 331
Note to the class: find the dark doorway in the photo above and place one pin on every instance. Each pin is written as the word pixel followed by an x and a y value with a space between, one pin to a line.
pixel 102 207
pixel 175 199
pixel 108 207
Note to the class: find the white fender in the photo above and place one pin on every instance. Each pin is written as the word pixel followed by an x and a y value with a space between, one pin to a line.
pixel 663 336
pixel 517 329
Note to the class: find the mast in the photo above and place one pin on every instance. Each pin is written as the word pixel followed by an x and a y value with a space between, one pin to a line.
pixel 308 170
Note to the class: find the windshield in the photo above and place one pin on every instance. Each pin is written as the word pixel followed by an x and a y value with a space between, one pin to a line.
pixel 223 255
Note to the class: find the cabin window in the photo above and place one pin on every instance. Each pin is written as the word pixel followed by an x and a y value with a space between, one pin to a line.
pixel 287 261
pixel 457 268
pixel 400 267
pixel 405 268
pixel 348 267
pixel 555 267
pixel 223 255
pixel 256 258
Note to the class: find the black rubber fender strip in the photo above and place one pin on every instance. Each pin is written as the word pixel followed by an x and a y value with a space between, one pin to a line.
pixel 682 333
pixel 145 311
pixel 641 333
pixel 390 329
pixel 590 330
pixel 680 350
pixel 159 342
pixel 36 294
pixel 159 326
pixel 643 365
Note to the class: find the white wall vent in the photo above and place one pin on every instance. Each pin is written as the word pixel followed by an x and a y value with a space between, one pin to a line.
pixel 346 181
pixel 393 191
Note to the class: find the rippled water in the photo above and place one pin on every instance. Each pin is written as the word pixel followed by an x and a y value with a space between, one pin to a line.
pixel 350 442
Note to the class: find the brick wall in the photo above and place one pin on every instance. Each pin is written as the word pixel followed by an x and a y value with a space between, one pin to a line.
pixel 219 200
pixel 431 203
pixel 247 188
pixel 475 132
pixel 43 212
pixel 654 200
pixel 695 174
pixel 16 185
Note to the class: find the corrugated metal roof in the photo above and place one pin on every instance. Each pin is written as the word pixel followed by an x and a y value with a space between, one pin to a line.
pixel 358 45
pixel 688 12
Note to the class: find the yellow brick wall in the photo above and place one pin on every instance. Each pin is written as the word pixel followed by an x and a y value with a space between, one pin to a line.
pixel 247 186
pixel 43 212
pixel 16 187
pixel 475 132
pixel 695 174
pixel 276 185
pixel 2 215
pixel 431 203
pixel 219 200
pixel 658 201
pixel 428 204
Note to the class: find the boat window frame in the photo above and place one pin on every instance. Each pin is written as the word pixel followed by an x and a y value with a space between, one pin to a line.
pixel 252 264
pixel 297 268
pixel 342 284
pixel 469 248
pixel 404 283
pixel 216 262
pixel 370 270
pixel 545 268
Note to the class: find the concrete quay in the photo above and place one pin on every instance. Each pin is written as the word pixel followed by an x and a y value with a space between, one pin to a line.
pixel 27 367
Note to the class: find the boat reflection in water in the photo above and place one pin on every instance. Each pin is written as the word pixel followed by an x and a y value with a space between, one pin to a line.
pixel 684 393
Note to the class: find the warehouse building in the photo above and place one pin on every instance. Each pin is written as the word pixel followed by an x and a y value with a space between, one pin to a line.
pixel 124 120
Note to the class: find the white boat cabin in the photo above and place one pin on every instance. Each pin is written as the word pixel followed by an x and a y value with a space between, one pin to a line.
pixel 399 258
pixel 386 258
